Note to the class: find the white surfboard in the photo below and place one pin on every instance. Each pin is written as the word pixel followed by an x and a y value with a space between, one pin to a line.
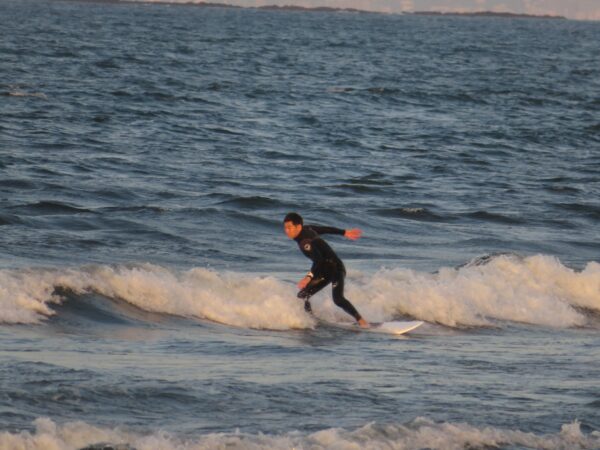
pixel 393 327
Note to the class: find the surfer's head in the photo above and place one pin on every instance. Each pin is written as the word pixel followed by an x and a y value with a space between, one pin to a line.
pixel 292 225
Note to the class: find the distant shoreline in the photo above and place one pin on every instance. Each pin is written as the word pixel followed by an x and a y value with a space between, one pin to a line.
pixel 487 14
pixel 327 9
pixel 230 6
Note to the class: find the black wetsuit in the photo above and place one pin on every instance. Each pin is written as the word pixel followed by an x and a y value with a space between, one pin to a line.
pixel 326 268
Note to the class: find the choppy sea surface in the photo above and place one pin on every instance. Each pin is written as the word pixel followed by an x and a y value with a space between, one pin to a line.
pixel 148 154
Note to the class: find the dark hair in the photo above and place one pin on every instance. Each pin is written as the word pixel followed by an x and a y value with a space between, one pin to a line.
pixel 293 217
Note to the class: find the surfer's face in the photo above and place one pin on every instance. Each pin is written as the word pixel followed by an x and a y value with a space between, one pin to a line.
pixel 291 230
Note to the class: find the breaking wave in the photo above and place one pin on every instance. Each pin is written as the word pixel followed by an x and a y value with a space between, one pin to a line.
pixel 26 296
pixel 534 290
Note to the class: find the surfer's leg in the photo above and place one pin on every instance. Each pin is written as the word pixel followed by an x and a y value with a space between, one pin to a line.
pixel 342 302
pixel 307 306
pixel 315 285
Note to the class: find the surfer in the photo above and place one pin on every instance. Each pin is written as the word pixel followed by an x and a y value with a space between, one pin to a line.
pixel 327 267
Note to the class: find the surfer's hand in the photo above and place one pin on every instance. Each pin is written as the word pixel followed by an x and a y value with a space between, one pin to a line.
pixel 353 234
pixel 304 282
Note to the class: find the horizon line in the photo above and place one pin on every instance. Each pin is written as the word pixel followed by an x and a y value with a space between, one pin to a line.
pixel 292 7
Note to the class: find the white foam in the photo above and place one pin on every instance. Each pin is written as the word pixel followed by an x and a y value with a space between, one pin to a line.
pixel 24 296
pixel 230 298
pixel 536 290
pixel 420 433
pixel 234 299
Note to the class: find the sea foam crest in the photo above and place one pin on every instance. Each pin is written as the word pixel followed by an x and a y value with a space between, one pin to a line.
pixel 420 433
pixel 230 298
pixel 536 290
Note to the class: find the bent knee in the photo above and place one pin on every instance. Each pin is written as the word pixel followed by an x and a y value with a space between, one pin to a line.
pixel 303 294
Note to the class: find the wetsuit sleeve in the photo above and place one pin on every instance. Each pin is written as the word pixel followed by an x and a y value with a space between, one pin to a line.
pixel 327 230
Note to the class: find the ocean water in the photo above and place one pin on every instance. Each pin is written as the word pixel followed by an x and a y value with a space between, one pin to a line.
pixel 148 154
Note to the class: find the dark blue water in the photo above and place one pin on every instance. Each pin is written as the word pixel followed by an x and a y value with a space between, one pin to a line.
pixel 148 154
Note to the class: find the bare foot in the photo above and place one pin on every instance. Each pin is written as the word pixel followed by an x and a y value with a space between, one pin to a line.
pixel 363 323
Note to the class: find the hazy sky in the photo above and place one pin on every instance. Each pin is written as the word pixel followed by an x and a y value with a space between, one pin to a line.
pixel 573 9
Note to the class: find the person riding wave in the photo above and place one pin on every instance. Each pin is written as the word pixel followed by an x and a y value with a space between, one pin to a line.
pixel 326 267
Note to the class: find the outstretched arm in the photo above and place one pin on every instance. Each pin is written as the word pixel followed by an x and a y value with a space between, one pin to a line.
pixel 352 234
pixel 319 229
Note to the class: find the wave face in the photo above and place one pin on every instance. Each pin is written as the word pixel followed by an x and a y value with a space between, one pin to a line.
pixel 233 299
pixel 534 290
pixel 420 433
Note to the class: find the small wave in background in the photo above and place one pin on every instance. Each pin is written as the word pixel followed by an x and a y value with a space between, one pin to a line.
pixel 420 433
